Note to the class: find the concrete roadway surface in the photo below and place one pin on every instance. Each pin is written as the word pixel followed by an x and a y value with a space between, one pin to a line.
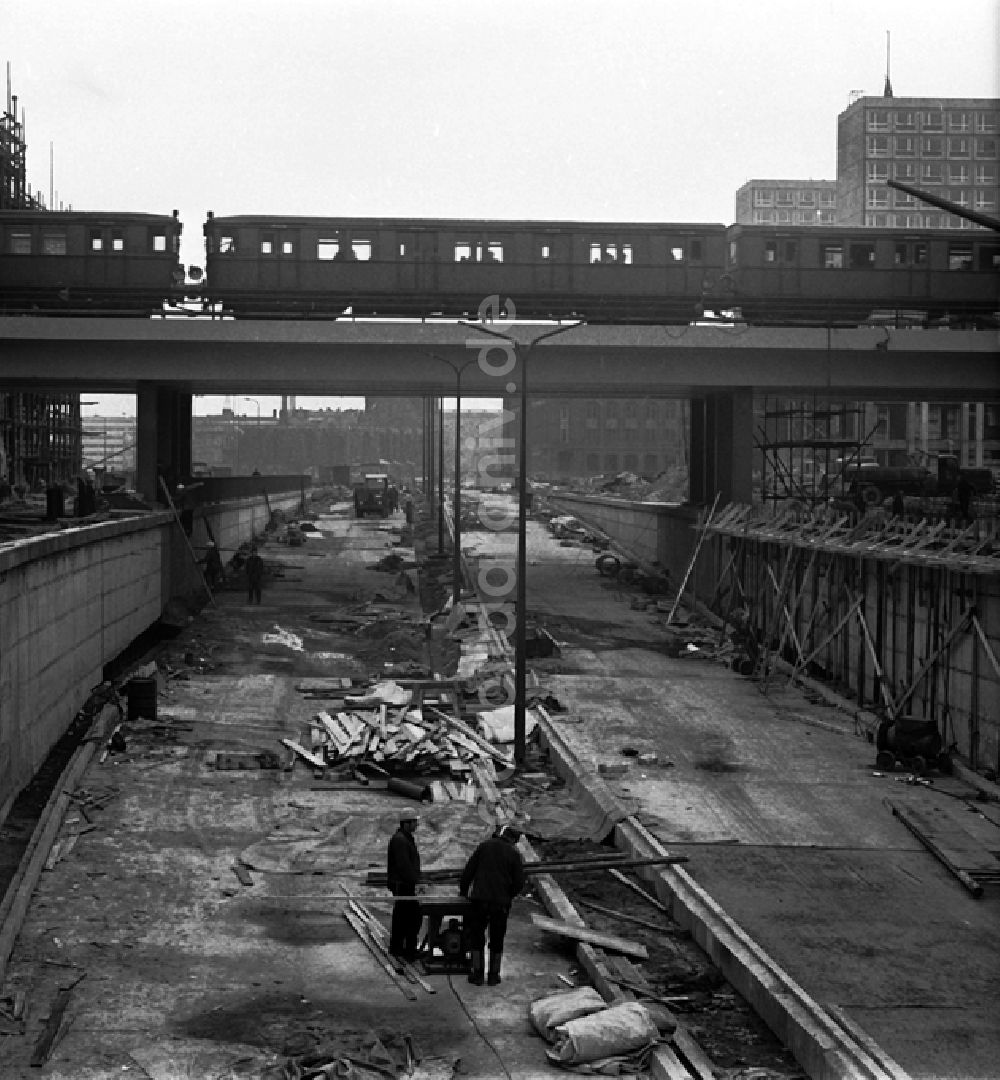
pixel 179 970
pixel 777 802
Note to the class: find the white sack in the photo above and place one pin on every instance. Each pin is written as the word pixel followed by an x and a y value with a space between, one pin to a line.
pixel 498 724
pixel 548 1013
pixel 620 1029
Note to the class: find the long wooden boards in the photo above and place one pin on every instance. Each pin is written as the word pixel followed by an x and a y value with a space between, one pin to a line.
pixel 594 937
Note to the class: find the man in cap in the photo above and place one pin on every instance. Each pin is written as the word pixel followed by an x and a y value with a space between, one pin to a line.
pixel 492 877
pixel 402 876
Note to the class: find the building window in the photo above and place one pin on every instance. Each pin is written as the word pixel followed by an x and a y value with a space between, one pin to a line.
pixel 877 172
pixel 933 146
pixel 930 173
pixel 807 198
pixel 833 255
pixel 958 174
pixel 763 197
pixel 933 121
pixel 227 245
pixel 986 148
pixel 878 145
pixel 906 146
pixel 959 121
pixel 985 200
pixel 901 199
pixel 986 122
pixel 878 198
pixel 878 119
pixel 905 170
pixel 631 420
pixel 827 217
pixel 611 416
pixel 959 147
pixel 986 174
pixel 784 198
pixel 906 121
pixel 52 244
pixel 784 217
pixel 827 198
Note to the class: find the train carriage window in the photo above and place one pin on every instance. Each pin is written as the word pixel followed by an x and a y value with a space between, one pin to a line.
pixel 54 244
pixel 832 255
pixel 159 241
pixel 287 247
pixel 494 251
pixel 733 252
pixel 791 251
pixel 267 244
pixel 627 254
pixel 96 240
pixel 595 253
pixel 19 243
pixel 227 245
pixel 327 250
pixel 862 256
pixel 770 251
pixel 960 256
pixel 546 251
pixel 361 250
pixel 901 254
pixel 463 252
pixel 677 253
pixel 117 241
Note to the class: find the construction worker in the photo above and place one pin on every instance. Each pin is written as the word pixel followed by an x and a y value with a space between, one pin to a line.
pixel 402 877
pixel 255 575
pixel 213 566
pixel 492 877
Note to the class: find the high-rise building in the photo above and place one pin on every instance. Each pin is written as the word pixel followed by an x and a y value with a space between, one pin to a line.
pixel 947 146
pixel 787 202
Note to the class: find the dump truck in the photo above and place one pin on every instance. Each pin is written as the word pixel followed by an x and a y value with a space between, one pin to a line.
pixel 371 496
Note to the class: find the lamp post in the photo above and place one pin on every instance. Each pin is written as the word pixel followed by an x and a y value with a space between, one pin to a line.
pixel 521 353
pixel 257 403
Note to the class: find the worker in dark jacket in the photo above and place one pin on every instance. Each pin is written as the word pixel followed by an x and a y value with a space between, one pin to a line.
pixel 492 877
pixel 402 877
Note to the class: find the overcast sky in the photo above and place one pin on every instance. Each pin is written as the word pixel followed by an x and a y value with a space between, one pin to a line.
pixel 570 109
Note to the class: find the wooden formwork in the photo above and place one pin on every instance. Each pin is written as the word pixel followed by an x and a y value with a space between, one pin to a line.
pixel 901 616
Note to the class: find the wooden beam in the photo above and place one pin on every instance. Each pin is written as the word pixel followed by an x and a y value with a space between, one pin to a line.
pixel 594 937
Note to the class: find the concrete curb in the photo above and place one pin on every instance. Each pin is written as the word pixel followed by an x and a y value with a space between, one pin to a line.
pixel 822 1045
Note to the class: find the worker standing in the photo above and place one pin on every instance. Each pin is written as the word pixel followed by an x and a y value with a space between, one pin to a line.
pixel 492 877
pixel 255 576
pixel 402 877
pixel 213 566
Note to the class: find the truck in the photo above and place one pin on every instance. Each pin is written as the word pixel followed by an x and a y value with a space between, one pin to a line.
pixel 371 495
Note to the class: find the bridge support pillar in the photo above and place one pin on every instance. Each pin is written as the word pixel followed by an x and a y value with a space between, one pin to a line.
pixel 163 439
pixel 721 442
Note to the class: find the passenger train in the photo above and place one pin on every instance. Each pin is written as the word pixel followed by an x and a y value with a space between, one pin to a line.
pixel 303 267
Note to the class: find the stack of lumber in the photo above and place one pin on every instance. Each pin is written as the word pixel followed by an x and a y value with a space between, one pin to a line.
pixel 400 740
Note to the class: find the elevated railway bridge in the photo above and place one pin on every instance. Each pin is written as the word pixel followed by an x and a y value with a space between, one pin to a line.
pixel 165 362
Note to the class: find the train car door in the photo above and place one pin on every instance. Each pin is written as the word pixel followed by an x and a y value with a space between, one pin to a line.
pixel 404 253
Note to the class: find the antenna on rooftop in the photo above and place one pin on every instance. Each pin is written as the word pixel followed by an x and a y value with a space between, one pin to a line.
pixel 887 91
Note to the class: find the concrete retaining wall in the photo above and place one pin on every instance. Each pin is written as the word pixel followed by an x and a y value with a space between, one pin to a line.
pixel 70 602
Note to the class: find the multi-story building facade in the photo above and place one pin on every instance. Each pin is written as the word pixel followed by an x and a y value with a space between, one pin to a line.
pixel 947 146
pixel 787 202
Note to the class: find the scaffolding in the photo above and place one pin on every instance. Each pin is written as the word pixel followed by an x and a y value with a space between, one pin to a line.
pixel 807 448
pixel 898 614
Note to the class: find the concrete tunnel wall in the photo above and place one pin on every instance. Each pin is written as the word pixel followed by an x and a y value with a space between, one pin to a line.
pixel 70 602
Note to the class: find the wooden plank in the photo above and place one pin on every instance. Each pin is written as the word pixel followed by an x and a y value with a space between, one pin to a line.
pixel 693 1055
pixel 43 1046
pixel 594 937
pixel 313 759
pixel 647 896
pixel 358 927
pixel 907 816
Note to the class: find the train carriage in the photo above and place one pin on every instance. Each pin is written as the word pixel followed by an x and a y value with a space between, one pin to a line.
pixel 70 262
pixel 850 276
pixel 425 267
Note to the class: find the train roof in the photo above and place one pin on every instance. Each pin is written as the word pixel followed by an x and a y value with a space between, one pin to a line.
pixel 83 215
pixel 279 221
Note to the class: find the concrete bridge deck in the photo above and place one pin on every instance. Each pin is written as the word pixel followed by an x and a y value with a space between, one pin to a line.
pixel 205 356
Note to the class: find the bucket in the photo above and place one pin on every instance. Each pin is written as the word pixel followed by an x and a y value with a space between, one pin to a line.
pixel 141 697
